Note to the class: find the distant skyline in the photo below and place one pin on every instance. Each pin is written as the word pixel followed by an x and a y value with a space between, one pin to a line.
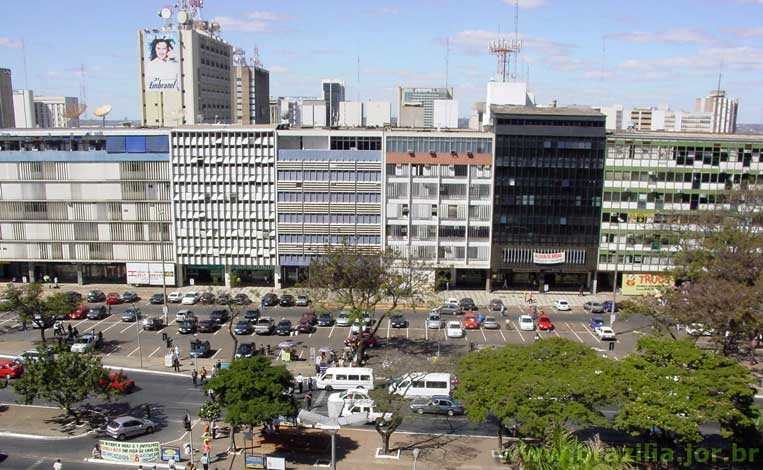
pixel 592 52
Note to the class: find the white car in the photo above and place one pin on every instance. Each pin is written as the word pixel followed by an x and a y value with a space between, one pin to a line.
pixel 433 321
pixel 454 330
pixel 562 305
pixel 343 319
pixel 698 329
pixel 182 315
pixel 526 323
pixel 605 332
pixel 452 301
pixel 357 326
pixel 190 298
pixel 175 297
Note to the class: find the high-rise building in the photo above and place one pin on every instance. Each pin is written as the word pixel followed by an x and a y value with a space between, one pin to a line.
pixel 185 75
pixel 313 113
pixel 252 95
pixel 7 119
pixel 350 114
pixel 641 119
pixel 333 94
pixel 56 111
pixel 614 115
pixel 23 109
pixel 724 111
pixel 377 113
pixel 445 114
pixel 549 174
pixel 420 97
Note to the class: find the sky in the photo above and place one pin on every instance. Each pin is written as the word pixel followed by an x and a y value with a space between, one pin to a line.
pixel 594 52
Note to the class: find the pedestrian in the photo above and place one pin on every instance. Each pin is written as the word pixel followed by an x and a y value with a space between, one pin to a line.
pixel 76 332
pixel 70 329
pixel 96 453
pixel 177 351
pixel 194 376
pixel 203 375
pixel 581 291
pixel 100 336
pixel 171 463
pixel 206 447
pixel 148 411
pixel 299 380
pixel 205 461
pixel 537 336
pixel 308 400
pixel 175 363
pixel 218 365
pixel 58 465
pixel 268 351
pixel 318 362
pixel 310 384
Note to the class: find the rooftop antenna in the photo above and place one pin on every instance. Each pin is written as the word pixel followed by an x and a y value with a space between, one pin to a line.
pixel 358 94
pixel 447 57
pixel 23 53
pixel 516 36
pixel 256 57
pixel 503 48
pixel 720 75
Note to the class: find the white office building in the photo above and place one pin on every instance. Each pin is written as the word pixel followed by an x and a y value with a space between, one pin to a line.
pixel 377 113
pixel 56 111
pixel 23 109
pixel 445 114
pixel 722 109
pixel 350 114
pixel 313 113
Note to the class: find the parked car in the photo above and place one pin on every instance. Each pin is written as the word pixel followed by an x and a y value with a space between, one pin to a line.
pixel 224 299
pixel 11 368
pixel 199 348
pixel 607 306
pixel 113 298
pixel 128 426
pixel 80 311
pixel 74 297
pixel 184 315
pixel 117 381
pixel 325 319
pixel 86 343
pixel 284 328
pixel 190 298
pixel 287 300
pixel 188 326
pixel 471 322
pixel 241 299
pixel 593 306
pixel 305 326
pixel 448 309
pixel 269 300
pixel 207 298
pixel 243 327
pixel 545 323
pixel 452 301
pixel 97 313
pixel 467 304
pixel 34 355
pixel 207 326
pixel 490 323
pixel 434 321
pixel 245 350
pixel 562 305
pixel 95 296
pixel 219 316
pixel 354 339
pixel 175 297
pixel 357 327
pixel 310 316
pixel 437 404
pixel 156 299
pixel 302 301
pixel 252 314
pixel 605 333
pixel 264 326
pixel 398 321
pixel 596 322
pixel 131 314
pixel 454 330
pixel 343 318
pixel 368 319
pixel 526 323
pixel 153 323
pixel 698 329
pixel 129 297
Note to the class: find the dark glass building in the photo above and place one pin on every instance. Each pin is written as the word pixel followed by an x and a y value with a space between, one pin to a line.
pixel 549 176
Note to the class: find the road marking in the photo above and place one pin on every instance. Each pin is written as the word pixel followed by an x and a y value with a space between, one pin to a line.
pixel 389 322
pixel 556 333
pixel 127 328
pixel 517 330
pixel 443 330
pixel 133 351
pixel 502 335
pixel 483 334
pixel 6 321
pixel 112 326
pixel 216 353
pixel 589 331
pixel 217 331
pixel 426 330
pixel 573 332
pixel 93 327
pixel 80 322
pixel 36 464
pixel 332 330
pixel 406 332
pixel 155 350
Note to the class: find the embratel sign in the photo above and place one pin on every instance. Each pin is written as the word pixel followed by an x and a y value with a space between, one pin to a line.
pixel 548 258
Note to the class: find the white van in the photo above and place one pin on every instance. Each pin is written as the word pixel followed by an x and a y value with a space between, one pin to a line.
pixel 346 378
pixel 422 384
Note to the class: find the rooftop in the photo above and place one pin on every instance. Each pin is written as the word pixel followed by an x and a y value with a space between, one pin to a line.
pixel 666 135
pixel 545 111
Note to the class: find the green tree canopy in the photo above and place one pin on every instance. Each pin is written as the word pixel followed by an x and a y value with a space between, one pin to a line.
pixel 535 387
pixel 30 304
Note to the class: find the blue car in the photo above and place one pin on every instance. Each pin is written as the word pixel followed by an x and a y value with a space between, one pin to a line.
pixel 596 322
pixel 607 304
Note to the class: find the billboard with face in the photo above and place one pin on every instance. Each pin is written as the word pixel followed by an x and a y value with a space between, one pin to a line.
pixel 161 66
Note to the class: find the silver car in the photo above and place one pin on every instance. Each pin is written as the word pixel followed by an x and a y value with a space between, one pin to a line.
pixel 490 323
pixel 343 319
pixel 128 426
pixel 593 306
pixel 433 321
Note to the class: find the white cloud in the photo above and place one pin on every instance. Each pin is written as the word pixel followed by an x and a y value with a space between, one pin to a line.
pixel 9 43
pixel 527 4
pixel 277 69
pixel 387 11
pixel 254 21
pixel 749 32
pixel 268 16
pixel 680 36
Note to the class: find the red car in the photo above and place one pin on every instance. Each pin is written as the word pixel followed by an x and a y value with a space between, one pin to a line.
pixel 471 322
pixel 371 341
pixel 544 323
pixel 118 381
pixel 11 369
pixel 79 312
pixel 113 298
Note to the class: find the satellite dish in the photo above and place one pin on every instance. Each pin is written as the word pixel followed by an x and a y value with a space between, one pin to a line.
pixel 166 13
pixel 182 17
pixel 101 112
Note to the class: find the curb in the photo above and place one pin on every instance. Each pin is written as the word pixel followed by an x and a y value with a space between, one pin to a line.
pixel 132 464
pixel 147 371
pixel 43 438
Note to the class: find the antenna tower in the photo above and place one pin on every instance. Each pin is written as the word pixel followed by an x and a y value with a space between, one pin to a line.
pixel 503 48
pixel 516 36
pixel 256 57
pixel 447 57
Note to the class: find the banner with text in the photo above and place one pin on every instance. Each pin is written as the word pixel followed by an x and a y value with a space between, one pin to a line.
pixel 160 63
pixel 644 284
pixel 150 274
pixel 548 258
pixel 130 451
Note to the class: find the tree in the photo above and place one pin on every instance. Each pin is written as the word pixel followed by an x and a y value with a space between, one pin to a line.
pixel 534 388
pixel 30 305
pixel 235 281
pixel 675 388
pixel 210 412
pixel 361 278
pixel 65 380
pixel 252 392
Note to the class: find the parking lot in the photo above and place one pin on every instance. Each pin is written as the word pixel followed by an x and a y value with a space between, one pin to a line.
pixel 128 341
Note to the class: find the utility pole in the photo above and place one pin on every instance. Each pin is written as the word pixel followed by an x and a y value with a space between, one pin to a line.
pixel 165 309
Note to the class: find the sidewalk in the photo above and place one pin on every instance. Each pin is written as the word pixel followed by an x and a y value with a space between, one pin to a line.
pixel 38 422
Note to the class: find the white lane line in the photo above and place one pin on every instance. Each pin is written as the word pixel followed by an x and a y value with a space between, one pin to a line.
pixel 76 325
pixel 127 327
pixel 517 330
pixel 389 322
pixel 426 330
pixel 442 330
pixel 216 353
pixel 93 327
pixel 573 332
pixel 332 330
pixel 6 321
pixel 591 332
pixel 155 350
pixel 483 334
pixel 217 331
pixel 406 332
pixel 556 333
pixel 502 335
pixel 116 348
pixel 133 351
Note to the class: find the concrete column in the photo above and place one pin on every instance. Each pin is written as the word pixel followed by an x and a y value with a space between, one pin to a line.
pixel 593 286
pixel 80 275
pixel 179 275
pixel 277 277
pixel 30 274
pixel 226 276
pixel 541 282
pixel 452 278
pixel 588 280
pixel 488 281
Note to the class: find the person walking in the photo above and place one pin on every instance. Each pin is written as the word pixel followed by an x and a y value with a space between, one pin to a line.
pixel 171 463
pixel 194 376
pixel 207 447
pixel 176 363
pixel 299 380
pixel 318 362
pixel 308 400
pixel 69 329
pixel 177 351
pixel 58 465
pixel 205 461
pixel 203 375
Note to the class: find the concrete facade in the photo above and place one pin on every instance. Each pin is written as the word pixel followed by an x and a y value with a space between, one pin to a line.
pixel 23 109
pixel 419 97
pixel 7 118
pixel 252 86
pixel 56 111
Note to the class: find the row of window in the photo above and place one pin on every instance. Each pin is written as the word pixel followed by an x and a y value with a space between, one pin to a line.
pixel 711 155
pixel 680 177
pixel 659 261
pixel 330 239
pixel 328 219
pixel 439 144
pixel 330 197
pixel 356 143
pixel 332 175
pixel 550 122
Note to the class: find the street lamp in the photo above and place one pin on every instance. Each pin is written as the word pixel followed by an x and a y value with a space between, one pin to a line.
pixel 614 284
pixel 139 329
pixel 164 272
pixel 332 431
pixel 416 452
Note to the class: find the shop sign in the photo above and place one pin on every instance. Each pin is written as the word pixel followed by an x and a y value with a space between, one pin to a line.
pixel 549 258
pixel 644 283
